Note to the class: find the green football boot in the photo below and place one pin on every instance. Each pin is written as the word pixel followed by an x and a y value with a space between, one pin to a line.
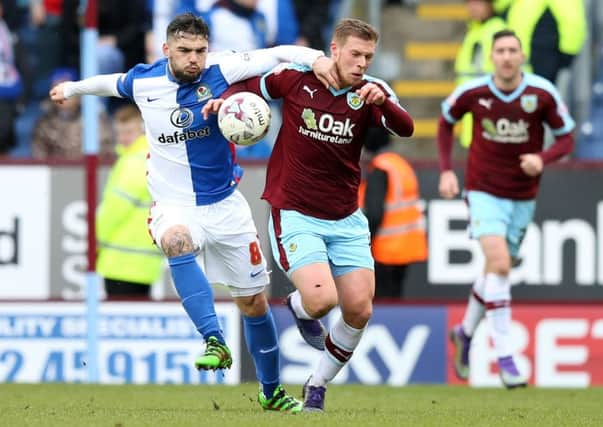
pixel 216 356
pixel 280 401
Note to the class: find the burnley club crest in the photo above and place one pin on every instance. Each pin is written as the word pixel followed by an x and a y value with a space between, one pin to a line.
pixel 529 103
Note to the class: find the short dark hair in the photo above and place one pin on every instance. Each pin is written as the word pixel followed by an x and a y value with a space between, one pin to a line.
pixel 189 24
pixel 504 33
pixel 354 27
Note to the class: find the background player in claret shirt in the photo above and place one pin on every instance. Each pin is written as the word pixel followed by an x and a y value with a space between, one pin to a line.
pixel 502 176
pixel 319 236
pixel 192 183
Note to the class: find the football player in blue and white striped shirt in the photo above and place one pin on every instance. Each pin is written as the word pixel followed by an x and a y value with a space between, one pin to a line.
pixel 197 207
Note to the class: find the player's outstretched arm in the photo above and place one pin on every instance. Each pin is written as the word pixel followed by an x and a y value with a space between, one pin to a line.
pixel 101 85
pixel 57 93
pixel 244 65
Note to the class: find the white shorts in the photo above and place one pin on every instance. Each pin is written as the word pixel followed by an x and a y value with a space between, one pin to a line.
pixel 227 237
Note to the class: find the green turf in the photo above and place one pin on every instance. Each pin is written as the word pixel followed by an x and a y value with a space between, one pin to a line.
pixel 90 405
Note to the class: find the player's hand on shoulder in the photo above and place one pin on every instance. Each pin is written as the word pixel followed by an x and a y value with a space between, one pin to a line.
pixel 57 93
pixel 531 164
pixel 449 184
pixel 372 94
pixel 212 106
pixel 325 71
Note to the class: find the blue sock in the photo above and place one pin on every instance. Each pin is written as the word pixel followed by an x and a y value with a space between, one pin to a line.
pixel 260 336
pixel 196 295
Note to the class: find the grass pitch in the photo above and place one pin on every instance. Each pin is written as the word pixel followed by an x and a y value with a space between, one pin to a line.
pixel 349 405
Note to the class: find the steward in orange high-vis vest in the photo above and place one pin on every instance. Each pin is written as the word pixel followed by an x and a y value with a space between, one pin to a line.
pixel 401 237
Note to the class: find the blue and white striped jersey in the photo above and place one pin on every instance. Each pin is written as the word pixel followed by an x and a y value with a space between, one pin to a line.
pixel 190 162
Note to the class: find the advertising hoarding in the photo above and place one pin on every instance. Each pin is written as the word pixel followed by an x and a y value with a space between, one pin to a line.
pixel 556 345
pixel 140 343
pixel 43 238
pixel 24 232
pixel 401 345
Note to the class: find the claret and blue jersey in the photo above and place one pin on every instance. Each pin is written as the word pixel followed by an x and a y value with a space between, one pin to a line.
pixel 506 125
pixel 314 166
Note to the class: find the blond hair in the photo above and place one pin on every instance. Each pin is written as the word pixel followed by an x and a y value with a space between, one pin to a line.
pixel 354 27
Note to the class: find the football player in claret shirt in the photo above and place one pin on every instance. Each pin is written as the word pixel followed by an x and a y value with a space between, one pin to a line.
pixel 502 175
pixel 191 177
pixel 319 236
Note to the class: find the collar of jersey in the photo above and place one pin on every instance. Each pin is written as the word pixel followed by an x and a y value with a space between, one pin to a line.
pixel 513 95
pixel 336 92
pixel 171 77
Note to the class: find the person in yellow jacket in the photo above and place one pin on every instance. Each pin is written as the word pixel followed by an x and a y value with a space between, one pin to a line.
pixel 473 58
pixel 389 197
pixel 552 32
pixel 127 259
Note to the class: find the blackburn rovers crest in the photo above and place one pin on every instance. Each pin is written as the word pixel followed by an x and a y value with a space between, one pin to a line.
pixel 354 101
pixel 529 103
pixel 203 92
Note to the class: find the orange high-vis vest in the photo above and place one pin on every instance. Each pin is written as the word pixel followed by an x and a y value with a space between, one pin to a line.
pixel 401 237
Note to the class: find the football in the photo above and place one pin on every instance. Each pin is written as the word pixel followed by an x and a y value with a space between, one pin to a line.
pixel 244 118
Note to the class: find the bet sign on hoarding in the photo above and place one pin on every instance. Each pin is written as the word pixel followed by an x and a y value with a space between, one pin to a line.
pixel 555 345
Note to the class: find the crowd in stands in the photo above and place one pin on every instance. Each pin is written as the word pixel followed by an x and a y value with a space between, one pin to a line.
pixel 39 44
pixel 43 46
pixel 39 40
